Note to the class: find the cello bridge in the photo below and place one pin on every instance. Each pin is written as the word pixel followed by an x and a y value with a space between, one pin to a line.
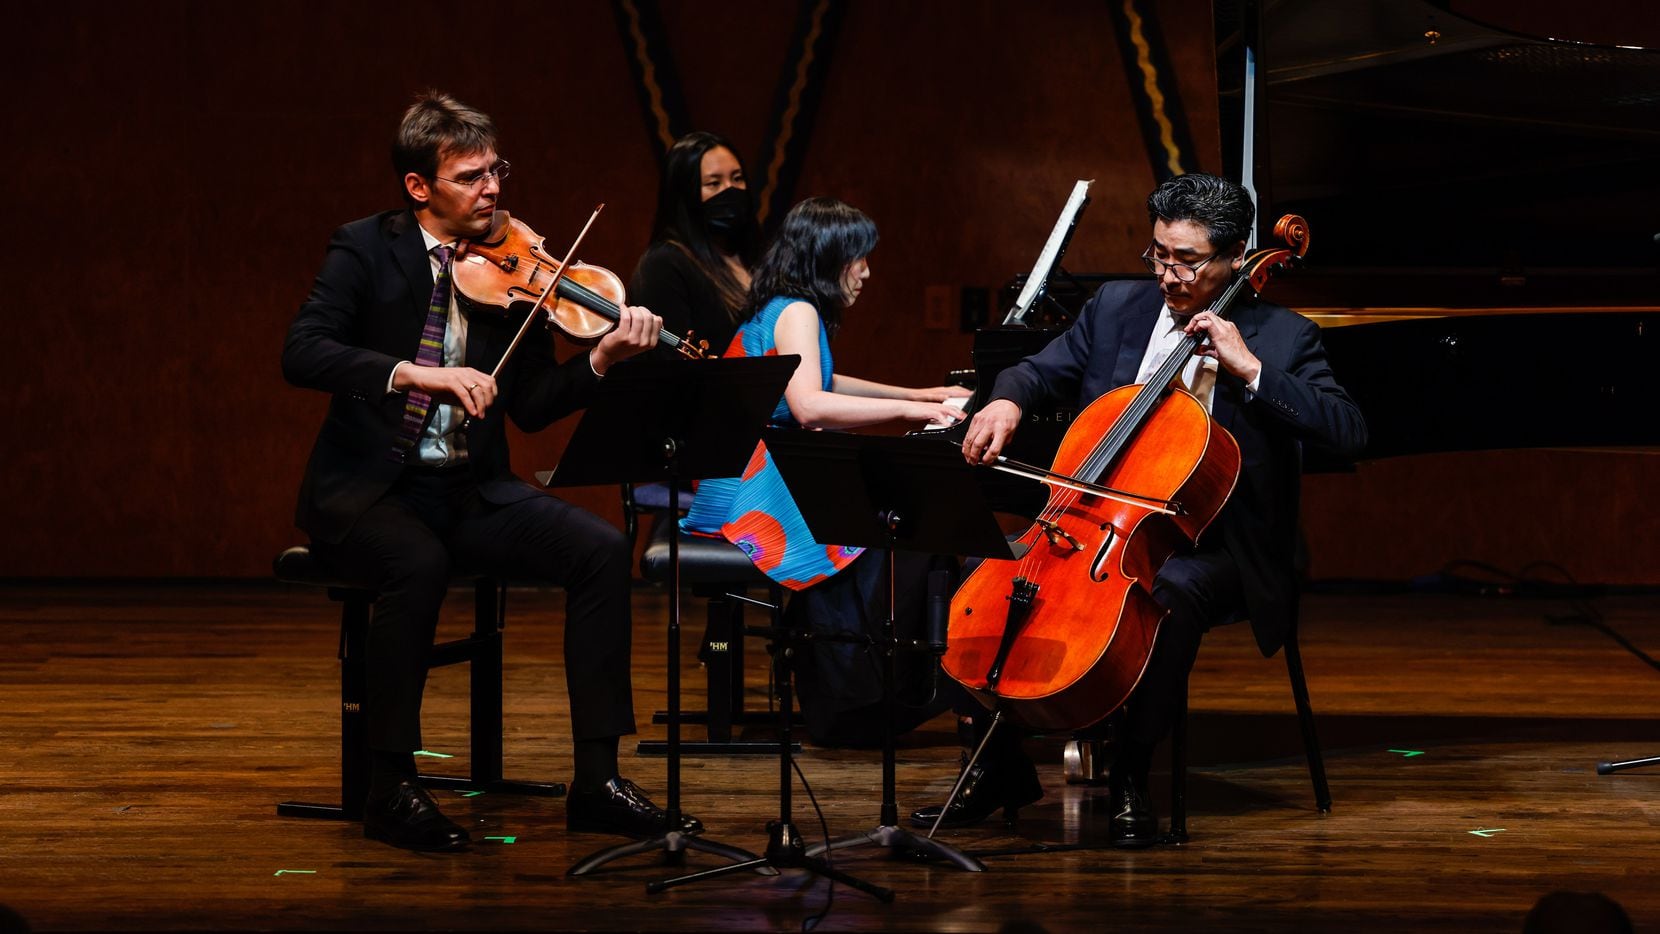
pixel 1055 534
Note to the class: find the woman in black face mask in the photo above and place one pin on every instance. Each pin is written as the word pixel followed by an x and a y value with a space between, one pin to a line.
pixel 704 240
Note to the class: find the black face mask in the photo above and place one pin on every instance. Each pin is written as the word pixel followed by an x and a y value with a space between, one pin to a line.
pixel 728 211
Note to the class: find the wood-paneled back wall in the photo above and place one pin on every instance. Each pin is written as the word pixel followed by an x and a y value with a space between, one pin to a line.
pixel 176 168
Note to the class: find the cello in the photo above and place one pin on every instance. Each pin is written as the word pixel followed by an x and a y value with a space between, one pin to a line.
pixel 1057 638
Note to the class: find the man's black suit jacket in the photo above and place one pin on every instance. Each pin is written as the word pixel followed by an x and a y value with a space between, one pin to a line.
pixel 365 313
pixel 1297 400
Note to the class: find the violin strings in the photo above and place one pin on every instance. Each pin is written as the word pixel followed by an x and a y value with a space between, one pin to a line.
pixel 608 309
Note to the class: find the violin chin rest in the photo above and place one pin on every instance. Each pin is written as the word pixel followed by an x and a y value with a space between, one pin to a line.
pixel 499 222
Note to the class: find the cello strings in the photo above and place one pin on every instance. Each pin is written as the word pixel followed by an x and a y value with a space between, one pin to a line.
pixel 1107 450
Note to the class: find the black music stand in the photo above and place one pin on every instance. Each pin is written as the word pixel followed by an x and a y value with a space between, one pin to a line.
pixel 672 421
pixel 896 495
pixel 1609 768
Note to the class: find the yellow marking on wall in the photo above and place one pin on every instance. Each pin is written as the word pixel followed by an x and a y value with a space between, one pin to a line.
pixel 1150 83
pixel 648 74
pixel 791 108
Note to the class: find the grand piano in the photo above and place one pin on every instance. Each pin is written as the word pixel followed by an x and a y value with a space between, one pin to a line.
pixel 1484 207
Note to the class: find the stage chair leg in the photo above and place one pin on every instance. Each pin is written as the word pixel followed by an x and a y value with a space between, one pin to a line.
pixel 484 657
pixel 1178 775
pixel 734 705
pixel 1305 718
pixel 725 618
pixel 484 681
pixel 354 734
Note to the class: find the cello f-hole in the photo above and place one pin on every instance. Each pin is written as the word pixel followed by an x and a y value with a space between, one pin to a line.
pixel 1098 568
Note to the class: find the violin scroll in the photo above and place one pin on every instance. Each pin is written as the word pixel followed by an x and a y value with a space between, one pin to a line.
pixel 693 347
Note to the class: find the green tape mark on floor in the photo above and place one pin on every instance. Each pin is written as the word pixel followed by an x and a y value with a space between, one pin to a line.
pixel 295 872
pixel 503 839
pixel 1487 831
pixel 434 755
pixel 1408 753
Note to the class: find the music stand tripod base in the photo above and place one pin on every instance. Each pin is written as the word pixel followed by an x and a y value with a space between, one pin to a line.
pixel 894 495
pixel 1608 768
pixel 673 421
pixel 785 848
pixel 673 844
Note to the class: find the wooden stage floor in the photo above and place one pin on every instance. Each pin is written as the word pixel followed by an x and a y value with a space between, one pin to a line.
pixel 151 729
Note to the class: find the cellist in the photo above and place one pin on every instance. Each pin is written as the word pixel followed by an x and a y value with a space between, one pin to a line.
pixel 1263 376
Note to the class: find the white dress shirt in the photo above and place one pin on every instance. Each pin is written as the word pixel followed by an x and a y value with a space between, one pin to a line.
pixel 443 443
pixel 1197 377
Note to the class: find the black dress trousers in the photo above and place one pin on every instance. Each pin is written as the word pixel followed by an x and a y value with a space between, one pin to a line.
pixel 432 522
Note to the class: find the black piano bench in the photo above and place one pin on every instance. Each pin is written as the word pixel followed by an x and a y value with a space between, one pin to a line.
pixel 482 653
pixel 721 572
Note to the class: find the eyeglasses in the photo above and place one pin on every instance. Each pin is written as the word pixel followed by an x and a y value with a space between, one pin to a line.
pixel 498 172
pixel 1185 272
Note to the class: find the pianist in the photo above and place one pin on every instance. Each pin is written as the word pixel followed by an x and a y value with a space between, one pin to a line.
pixel 807 279
pixel 1263 376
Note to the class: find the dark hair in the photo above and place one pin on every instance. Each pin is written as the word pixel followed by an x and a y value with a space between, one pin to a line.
pixel 1565 912
pixel 434 126
pixel 807 257
pixel 1223 208
pixel 679 222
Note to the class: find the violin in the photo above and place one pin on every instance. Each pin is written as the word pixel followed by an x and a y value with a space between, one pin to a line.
pixel 1058 638
pixel 509 265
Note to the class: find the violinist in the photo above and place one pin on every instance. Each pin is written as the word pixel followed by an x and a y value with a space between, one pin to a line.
pixel 1262 376
pixel 410 477
pixel 704 242
pixel 810 275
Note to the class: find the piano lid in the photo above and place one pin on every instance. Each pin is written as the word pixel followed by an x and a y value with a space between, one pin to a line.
pixel 1444 162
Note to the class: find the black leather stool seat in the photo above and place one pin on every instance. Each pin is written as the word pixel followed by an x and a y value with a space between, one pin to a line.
pixel 703 560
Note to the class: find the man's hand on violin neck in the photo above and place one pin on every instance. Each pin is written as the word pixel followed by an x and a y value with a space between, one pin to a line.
pixel 473 390
pixel 990 431
pixel 636 332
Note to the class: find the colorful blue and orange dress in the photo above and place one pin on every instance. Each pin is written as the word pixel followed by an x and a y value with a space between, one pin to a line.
pixel 755 511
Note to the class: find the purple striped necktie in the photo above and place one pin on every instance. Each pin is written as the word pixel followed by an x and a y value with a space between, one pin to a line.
pixel 419 404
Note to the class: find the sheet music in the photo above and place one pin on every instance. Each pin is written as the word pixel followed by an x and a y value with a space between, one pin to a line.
pixel 1051 252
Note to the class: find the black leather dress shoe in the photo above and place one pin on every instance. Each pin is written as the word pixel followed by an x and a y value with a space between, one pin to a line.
pixel 1134 825
pixel 1009 784
pixel 620 807
pixel 407 816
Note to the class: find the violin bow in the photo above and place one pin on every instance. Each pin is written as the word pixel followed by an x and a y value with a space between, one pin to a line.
pixel 542 299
